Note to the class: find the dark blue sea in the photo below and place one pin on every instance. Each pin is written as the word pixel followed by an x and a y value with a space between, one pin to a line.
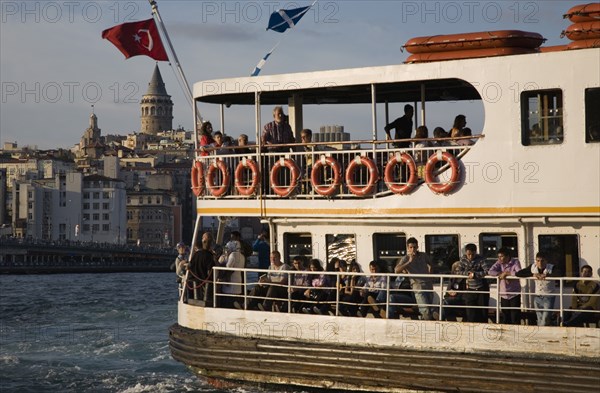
pixel 90 333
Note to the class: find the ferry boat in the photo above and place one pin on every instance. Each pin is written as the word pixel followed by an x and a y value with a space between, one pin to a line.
pixel 530 182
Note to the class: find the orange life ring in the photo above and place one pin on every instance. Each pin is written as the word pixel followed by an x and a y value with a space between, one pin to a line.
pixel 442 188
pixel 215 190
pixel 197 178
pixel 583 13
pixel 315 176
pixel 389 179
pixel 239 177
pixel 294 176
pixel 373 176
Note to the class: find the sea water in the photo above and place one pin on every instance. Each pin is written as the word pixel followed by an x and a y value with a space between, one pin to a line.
pixel 90 333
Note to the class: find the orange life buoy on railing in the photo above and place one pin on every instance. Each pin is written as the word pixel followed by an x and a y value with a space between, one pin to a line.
pixel 239 177
pixel 294 176
pixel 373 176
pixel 197 178
pixel 315 176
pixel 411 183
pixel 442 188
pixel 215 190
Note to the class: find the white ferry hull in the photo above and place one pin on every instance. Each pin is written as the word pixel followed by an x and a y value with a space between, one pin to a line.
pixel 353 354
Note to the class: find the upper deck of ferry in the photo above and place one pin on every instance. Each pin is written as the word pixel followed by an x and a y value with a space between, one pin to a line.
pixel 508 171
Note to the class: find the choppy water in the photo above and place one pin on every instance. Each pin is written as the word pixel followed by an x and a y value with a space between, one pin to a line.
pixel 90 333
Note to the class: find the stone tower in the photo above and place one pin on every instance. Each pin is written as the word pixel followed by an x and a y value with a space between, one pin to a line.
pixel 157 107
pixel 91 134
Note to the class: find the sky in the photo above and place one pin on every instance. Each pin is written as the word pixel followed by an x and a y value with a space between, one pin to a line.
pixel 54 65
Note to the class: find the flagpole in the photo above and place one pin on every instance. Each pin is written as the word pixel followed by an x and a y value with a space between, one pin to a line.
pixel 187 89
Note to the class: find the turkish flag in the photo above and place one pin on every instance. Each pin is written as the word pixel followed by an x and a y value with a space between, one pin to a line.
pixel 137 38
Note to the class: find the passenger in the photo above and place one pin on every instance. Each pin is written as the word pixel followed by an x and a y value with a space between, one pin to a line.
pixel 319 292
pixel 201 268
pixel 261 246
pixel 416 262
pixel 582 300
pixel 307 159
pixel 350 296
pixel 232 280
pixel 300 283
pixel 421 155
pixel 477 299
pixel 181 262
pixel 242 143
pixel 271 285
pixel 454 296
pixel 465 142
pixel 403 127
pixel 460 122
pixel 218 143
pixel 544 289
pixel 246 248
pixel 439 132
pixel 401 296
pixel 206 138
pixel 374 285
pixel 277 132
pixel 510 289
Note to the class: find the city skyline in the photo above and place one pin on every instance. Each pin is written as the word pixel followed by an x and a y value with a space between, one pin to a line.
pixel 51 77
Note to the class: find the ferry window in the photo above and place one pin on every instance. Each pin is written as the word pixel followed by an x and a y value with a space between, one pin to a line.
pixel 297 244
pixel 592 115
pixel 563 251
pixel 541 117
pixel 389 247
pixel 490 243
pixel 341 246
pixel 443 251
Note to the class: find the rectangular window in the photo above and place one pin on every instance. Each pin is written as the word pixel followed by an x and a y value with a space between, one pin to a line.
pixel 340 246
pixel 86 195
pixel 86 216
pixel 490 243
pixel 96 216
pixel 297 244
pixel 96 206
pixel 563 252
pixel 105 227
pixel 541 117
pixel 105 217
pixel 443 251
pixel 592 115
pixel 86 206
pixel 105 195
pixel 96 195
pixel 389 247
pixel 95 227
pixel 105 206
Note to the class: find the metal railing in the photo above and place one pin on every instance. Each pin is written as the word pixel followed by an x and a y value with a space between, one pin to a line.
pixel 387 295
pixel 306 156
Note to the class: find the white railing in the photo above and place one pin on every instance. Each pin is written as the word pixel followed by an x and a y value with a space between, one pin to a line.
pixel 378 152
pixel 334 303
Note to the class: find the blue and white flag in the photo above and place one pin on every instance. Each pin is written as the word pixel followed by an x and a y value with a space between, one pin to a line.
pixel 262 62
pixel 281 20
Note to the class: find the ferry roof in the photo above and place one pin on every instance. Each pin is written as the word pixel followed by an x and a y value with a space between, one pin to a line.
pixel 346 86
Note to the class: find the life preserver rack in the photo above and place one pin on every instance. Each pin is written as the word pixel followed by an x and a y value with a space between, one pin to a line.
pixel 389 178
pixel 373 176
pixel 317 180
pixel 197 178
pixel 240 186
pixel 214 189
pixel 430 175
pixel 284 191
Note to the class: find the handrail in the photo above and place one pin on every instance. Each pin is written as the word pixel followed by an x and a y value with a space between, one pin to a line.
pixel 438 290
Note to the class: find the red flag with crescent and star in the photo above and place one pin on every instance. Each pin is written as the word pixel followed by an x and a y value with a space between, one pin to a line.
pixel 137 38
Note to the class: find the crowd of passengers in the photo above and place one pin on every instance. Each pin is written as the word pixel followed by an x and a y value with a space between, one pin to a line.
pixel 279 132
pixel 306 286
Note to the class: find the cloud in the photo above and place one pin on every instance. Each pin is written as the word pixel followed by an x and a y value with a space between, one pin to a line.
pixel 227 33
